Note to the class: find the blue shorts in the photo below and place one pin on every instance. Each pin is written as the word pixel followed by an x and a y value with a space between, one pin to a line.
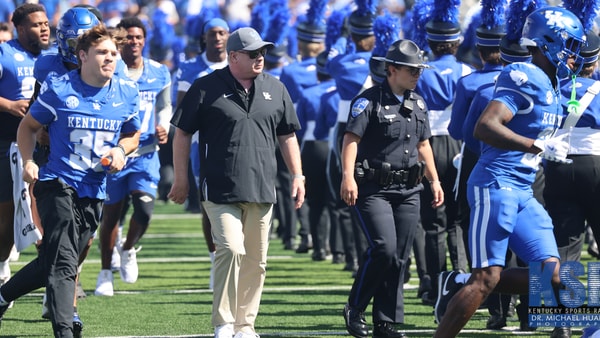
pixel 503 217
pixel 140 173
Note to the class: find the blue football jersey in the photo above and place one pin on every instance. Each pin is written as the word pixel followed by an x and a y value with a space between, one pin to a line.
pixel 155 77
pixel 84 122
pixel 16 82
pixel 195 68
pixel 466 89
pixel 527 91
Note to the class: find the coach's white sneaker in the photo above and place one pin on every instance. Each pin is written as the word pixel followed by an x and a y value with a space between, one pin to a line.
pixel 246 335
pixel 129 267
pixel 115 259
pixel 104 285
pixel 224 331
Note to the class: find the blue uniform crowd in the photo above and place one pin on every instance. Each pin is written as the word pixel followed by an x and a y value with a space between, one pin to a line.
pixel 474 153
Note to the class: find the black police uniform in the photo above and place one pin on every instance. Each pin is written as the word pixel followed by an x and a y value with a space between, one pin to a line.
pixel 388 201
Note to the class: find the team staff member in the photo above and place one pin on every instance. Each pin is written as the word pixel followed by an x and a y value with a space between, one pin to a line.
pixel 89 114
pixel 241 114
pixel 387 137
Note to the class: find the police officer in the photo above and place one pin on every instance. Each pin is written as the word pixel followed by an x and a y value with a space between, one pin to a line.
pixel 386 152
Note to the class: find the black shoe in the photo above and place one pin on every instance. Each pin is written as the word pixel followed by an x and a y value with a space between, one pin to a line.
pixel 447 287
pixel 319 255
pixel 337 258
pixel 521 311
pixel 561 332
pixel 77 326
pixel 424 286
pixel 355 322
pixel 350 267
pixel 288 245
pixel 495 322
pixel 386 330
pixel 302 248
pixel 428 298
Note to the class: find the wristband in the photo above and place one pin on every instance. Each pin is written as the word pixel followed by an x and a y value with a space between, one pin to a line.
pixel 432 182
pixel 120 146
pixel 299 176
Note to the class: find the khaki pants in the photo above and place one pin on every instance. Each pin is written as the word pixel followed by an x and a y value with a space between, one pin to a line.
pixel 241 235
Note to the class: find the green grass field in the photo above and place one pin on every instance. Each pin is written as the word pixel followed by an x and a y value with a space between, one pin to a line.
pixel 302 298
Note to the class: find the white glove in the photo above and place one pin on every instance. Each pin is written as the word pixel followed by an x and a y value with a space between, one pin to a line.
pixel 554 148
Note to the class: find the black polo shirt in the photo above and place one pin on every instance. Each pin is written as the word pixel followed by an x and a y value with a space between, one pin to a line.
pixel 238 134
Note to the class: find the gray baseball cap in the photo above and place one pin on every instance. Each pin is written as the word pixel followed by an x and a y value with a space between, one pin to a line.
pixel 246 38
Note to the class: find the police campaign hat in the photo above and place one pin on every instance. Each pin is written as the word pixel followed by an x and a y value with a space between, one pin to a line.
pixel 406 53
pixel 246 38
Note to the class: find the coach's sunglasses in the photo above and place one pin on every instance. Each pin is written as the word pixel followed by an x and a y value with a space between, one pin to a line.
pixel 253 54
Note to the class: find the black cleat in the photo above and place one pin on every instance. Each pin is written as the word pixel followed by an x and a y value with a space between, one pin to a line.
pixel 447 287
pixel 77 325
pixel 561 332
pixel 355 322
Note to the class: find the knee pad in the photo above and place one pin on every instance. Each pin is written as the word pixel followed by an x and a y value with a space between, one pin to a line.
pixel 143 205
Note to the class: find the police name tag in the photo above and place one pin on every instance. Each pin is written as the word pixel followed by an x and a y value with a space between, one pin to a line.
pixel 359 106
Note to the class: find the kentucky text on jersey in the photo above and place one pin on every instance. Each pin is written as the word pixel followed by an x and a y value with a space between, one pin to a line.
pixel 148 96
pixel 25 71
pixel 94 123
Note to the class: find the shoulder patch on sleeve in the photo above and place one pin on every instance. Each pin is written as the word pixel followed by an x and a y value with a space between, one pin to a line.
pixel 359 106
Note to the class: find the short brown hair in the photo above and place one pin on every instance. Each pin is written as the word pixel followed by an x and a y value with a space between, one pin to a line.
pixel 95 36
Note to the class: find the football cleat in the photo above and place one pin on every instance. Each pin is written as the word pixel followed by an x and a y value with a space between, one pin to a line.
pixel 129 266
pixel 115 260
pixel 246 335
pixel 77 325
pixel 104 285
pixel 447 287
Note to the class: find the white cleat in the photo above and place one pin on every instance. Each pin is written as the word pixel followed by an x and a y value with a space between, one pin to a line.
pixel 104 285
pixel 129 267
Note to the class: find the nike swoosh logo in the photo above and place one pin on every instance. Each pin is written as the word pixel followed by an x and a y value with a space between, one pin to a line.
pixel 151 80
pixel 116 104
pixel 444 290
pixel 227 95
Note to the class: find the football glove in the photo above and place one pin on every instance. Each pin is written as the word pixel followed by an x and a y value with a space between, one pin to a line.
pixel 554 148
